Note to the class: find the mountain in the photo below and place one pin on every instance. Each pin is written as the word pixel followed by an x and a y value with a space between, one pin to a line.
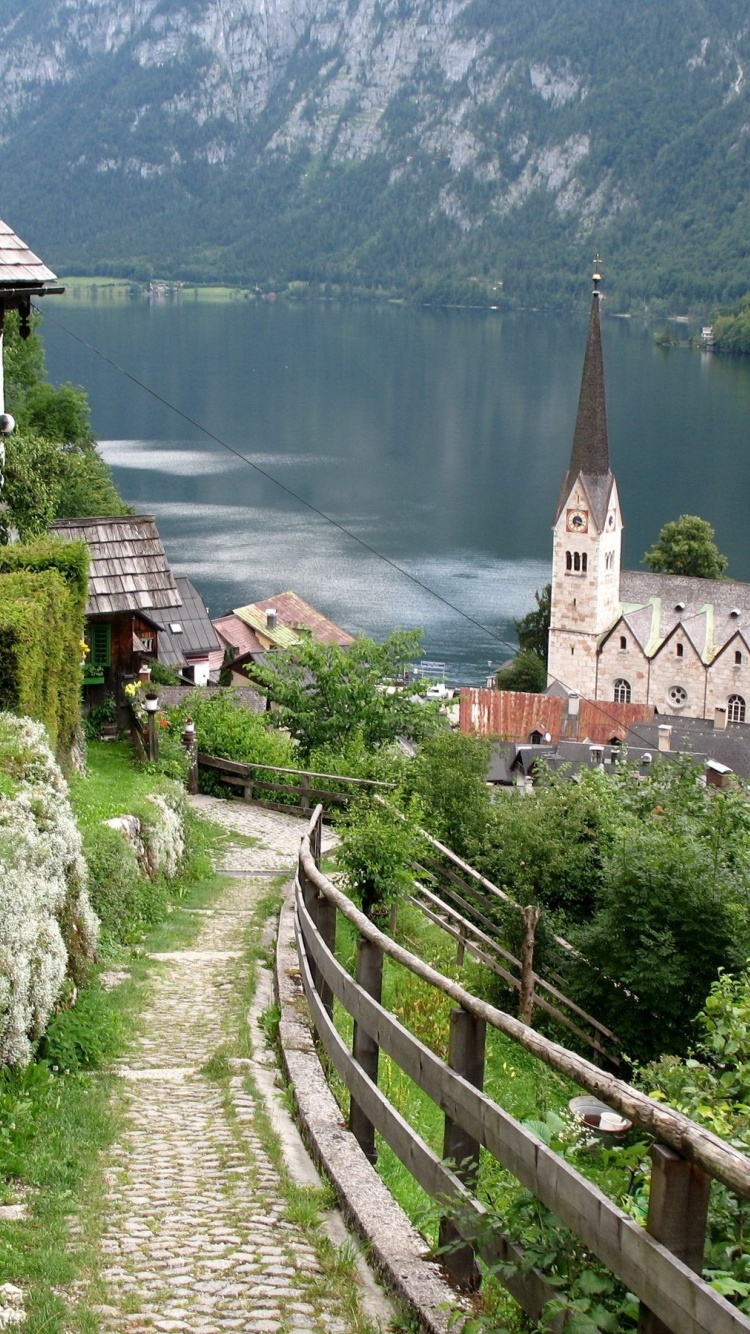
pixel 441 149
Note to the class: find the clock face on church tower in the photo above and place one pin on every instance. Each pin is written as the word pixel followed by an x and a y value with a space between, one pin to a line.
pixel 577 521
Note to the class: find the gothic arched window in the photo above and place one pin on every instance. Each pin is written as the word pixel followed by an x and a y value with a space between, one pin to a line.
pixel 622 691
pixel 568 560
pixel 576 560
pixel 735 709
pixel 584 562
pixel 680 650
pixel 623 642
pixel 738 658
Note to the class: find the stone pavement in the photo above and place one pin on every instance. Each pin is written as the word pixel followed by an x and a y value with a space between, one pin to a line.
pixel 201 1236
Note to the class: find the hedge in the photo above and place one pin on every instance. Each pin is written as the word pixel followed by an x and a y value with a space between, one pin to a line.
pixel 40 669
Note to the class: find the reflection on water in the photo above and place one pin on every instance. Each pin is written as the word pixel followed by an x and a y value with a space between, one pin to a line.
pixel 437 437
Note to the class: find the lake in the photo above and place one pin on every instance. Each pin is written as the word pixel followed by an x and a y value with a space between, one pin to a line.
pixel 437 437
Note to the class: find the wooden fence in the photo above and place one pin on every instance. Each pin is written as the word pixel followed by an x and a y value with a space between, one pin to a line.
pixel 456 898
pixel 660 1264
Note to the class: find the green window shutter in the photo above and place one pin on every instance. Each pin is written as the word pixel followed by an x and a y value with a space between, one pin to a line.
pixel 99 639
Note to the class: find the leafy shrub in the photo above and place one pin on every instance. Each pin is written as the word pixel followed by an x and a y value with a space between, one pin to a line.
pixel 226 728
pixel 83 1037
pixel 449 774
pixel 60 651
pixel 377 850
pixel 125 900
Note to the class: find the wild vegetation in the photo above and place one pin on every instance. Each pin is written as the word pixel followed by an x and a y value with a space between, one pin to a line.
pixel 53 469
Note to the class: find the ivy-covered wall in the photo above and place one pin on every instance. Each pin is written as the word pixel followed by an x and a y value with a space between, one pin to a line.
pixel 43 589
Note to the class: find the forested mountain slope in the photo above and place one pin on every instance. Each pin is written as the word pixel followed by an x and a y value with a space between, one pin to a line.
pixel 439 149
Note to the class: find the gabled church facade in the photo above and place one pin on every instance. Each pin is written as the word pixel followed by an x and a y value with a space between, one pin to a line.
pixel 679 644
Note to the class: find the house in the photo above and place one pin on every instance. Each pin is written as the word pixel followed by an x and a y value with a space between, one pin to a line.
pixel 130 587
pixel 678 644
pixel 279 622
pixel 187 640
pixel 537 720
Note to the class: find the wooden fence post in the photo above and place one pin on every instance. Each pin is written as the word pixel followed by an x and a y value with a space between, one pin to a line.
pixel 461 945
pixel 466 1057
pixel 247 791
pixel 153 740
pixel 316 838
pixel 677 1214
pixel 365 1049
pixel 304 793
pixel 530 918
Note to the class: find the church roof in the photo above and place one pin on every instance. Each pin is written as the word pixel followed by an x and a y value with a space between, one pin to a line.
pixel 589 457
pixel 711 611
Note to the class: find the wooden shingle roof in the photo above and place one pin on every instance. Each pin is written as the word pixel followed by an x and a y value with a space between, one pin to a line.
pixel 19 266
pixel 129 570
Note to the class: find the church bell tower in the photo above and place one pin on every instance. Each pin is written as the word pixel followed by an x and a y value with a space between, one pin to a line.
pixel 587 533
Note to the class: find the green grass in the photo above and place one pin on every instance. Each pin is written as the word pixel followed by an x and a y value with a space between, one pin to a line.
pixel 62 1124
pixel 85 289
pixel 112 785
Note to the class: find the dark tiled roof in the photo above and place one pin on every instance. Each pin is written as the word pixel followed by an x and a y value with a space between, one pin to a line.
pixel 171 697
pixel 697 737
pixel 19 266
pixel 196 637
pixel 129 570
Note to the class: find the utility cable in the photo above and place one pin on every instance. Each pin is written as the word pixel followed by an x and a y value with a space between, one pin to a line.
pixel 321 514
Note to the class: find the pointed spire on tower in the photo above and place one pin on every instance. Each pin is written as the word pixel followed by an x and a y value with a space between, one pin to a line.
pixel 590 453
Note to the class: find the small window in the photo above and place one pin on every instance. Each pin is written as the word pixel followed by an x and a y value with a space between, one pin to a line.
pixel 680 650
pixel 609 560
pixel 735 709
pixel 738 658
pixel 572 653
pixel 576 560
pixel 622 691
pixel 623 642
pixel 584 562
pixel 568 560
pixel 536 739
pixel 99 640
pixel 677 696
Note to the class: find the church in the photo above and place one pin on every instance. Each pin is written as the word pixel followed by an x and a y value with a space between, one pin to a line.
pixel 678 644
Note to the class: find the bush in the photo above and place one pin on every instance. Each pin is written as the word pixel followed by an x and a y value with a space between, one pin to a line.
pixel 449 775
pixel 377 850
pixel 226 728
pixel 60 655
pixel 83 1037
pixel 48 931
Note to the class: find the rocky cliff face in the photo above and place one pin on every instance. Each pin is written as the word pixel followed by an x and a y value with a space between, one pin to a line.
pixel 363 139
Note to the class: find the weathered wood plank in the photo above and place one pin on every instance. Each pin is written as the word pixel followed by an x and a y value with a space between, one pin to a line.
pixel 667 1286
pixel 664 1124
pixel 531 1290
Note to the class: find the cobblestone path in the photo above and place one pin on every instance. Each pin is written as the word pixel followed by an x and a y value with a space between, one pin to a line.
pixel 200 1236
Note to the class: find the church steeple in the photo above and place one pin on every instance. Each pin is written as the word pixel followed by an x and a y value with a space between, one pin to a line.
pixel 590 454
pixel 588 534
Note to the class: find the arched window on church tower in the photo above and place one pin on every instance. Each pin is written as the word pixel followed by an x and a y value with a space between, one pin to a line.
pixel 576 560
pixel 568 560
pixel 735 709
pixel 584 562
pixel 738 658
pixel 680 650
pixel 622 691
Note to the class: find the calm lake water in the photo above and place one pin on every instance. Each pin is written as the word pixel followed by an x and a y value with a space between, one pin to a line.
pixel 439 438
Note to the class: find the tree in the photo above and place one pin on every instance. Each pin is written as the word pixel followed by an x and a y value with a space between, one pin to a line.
pixel 449 774
pixel 378 849
pixel 524 672
pixel 53 467
pixel 327 696
pixel 533 628
pixel 686 546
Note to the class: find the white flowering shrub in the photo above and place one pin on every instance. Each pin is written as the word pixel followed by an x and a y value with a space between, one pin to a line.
pixel 48 930
pixel 163 835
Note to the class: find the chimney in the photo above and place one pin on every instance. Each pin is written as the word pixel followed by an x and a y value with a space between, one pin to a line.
pixel 270 618
pixel 597 754
pixel 665 737
pixel 720 718
pixel 574 704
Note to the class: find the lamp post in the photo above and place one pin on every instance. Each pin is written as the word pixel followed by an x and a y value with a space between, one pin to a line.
pixel 22 276
pixel 151 704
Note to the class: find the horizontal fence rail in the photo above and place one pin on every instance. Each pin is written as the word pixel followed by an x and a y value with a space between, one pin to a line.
pixel 660 1264
pixel 457 898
